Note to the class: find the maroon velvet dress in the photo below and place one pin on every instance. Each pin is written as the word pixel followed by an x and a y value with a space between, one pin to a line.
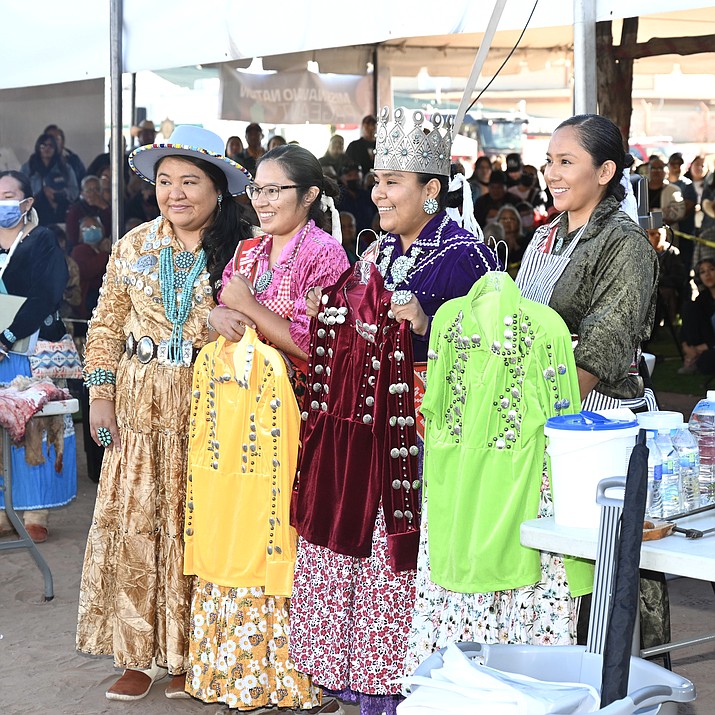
pixel 351 605
pixel 359 399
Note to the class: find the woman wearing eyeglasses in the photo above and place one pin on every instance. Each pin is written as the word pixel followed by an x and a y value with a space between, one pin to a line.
pixel 266 282
pixel 239 636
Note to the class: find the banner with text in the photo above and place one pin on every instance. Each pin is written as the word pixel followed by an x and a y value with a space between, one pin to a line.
pixel 294 97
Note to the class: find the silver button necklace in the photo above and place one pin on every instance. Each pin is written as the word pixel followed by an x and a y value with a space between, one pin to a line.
pixel 266 278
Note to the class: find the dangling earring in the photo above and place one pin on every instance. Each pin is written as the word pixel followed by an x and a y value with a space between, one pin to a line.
pixel 220 201
pixel 430 206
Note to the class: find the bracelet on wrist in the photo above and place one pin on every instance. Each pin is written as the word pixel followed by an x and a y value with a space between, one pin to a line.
pixel 208 322
pixel 99 376
pixel 9 336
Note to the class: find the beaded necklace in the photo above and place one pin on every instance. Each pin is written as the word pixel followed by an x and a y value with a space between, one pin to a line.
pixel 176 279
pixel 266 278
pixel 403 266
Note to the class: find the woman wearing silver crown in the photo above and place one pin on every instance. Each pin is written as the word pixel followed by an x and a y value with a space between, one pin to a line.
pixel 354 589
pixel 150 322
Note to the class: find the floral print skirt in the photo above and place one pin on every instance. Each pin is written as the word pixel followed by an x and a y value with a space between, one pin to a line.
pixel 238 650
pixel 351 616
pixel 543 613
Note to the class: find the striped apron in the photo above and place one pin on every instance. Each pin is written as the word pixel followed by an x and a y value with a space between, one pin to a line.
pixel 539 272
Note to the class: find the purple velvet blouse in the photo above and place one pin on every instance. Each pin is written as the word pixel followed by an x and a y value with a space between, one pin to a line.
pixel 449 261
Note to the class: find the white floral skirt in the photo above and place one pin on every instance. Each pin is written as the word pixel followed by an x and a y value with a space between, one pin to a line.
pixel 543 613
pixel 238 650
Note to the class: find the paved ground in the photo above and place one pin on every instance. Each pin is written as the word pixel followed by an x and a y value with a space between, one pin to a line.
pixel 678 403
pixel 41 674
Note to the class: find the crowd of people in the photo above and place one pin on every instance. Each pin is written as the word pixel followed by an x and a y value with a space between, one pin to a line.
pixel 198 490
pixel 511 200
pixel 284 354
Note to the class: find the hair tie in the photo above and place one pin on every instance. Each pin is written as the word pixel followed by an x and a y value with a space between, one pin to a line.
pixel 466 218
pixel 327 203
pixel 629 204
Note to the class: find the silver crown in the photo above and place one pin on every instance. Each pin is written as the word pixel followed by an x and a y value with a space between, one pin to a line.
pixel 403 145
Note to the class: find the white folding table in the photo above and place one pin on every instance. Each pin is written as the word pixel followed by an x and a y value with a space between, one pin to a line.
pixel 675 554
pixel 58 407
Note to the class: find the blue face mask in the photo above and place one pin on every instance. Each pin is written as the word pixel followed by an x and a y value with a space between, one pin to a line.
pixel 92 234
pixel 10 213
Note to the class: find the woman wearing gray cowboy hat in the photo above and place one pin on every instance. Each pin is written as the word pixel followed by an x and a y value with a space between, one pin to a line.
pixel 149 324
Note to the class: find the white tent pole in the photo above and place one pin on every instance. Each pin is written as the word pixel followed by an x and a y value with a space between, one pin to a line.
pixel 116 146
pixel 585 92
pixel 479 61
pixel 133 100
pixel 375 81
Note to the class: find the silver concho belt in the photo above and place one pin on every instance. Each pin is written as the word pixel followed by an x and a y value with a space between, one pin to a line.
pixel 146 350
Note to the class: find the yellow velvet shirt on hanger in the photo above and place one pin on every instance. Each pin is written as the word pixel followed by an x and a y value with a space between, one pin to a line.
pixel 243 450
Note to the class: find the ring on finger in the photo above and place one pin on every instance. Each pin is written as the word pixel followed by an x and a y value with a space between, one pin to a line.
pixel 104 436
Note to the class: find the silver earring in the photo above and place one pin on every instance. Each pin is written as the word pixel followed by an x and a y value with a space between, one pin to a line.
pixel 430 206
pixel 220 201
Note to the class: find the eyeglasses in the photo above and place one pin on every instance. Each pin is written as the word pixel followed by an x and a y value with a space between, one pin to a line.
pixel 270 192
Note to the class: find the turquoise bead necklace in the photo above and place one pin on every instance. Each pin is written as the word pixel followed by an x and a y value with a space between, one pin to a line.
pixel 177 292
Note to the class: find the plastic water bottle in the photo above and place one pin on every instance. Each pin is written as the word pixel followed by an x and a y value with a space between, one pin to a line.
pixel 689 458
pixel 702 425
pixel 654 499
pixel 670 485
pixel 663 425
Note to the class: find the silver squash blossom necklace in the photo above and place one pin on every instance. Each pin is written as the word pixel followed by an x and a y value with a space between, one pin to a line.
pixel 266 278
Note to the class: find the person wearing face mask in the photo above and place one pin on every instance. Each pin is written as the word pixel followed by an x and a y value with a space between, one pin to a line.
pixel 32 265
pixel 90 203
pixel 91 255
pixel 353 198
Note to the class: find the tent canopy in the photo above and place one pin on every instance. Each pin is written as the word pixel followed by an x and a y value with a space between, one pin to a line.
pixel 75 44
pixel 452 55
